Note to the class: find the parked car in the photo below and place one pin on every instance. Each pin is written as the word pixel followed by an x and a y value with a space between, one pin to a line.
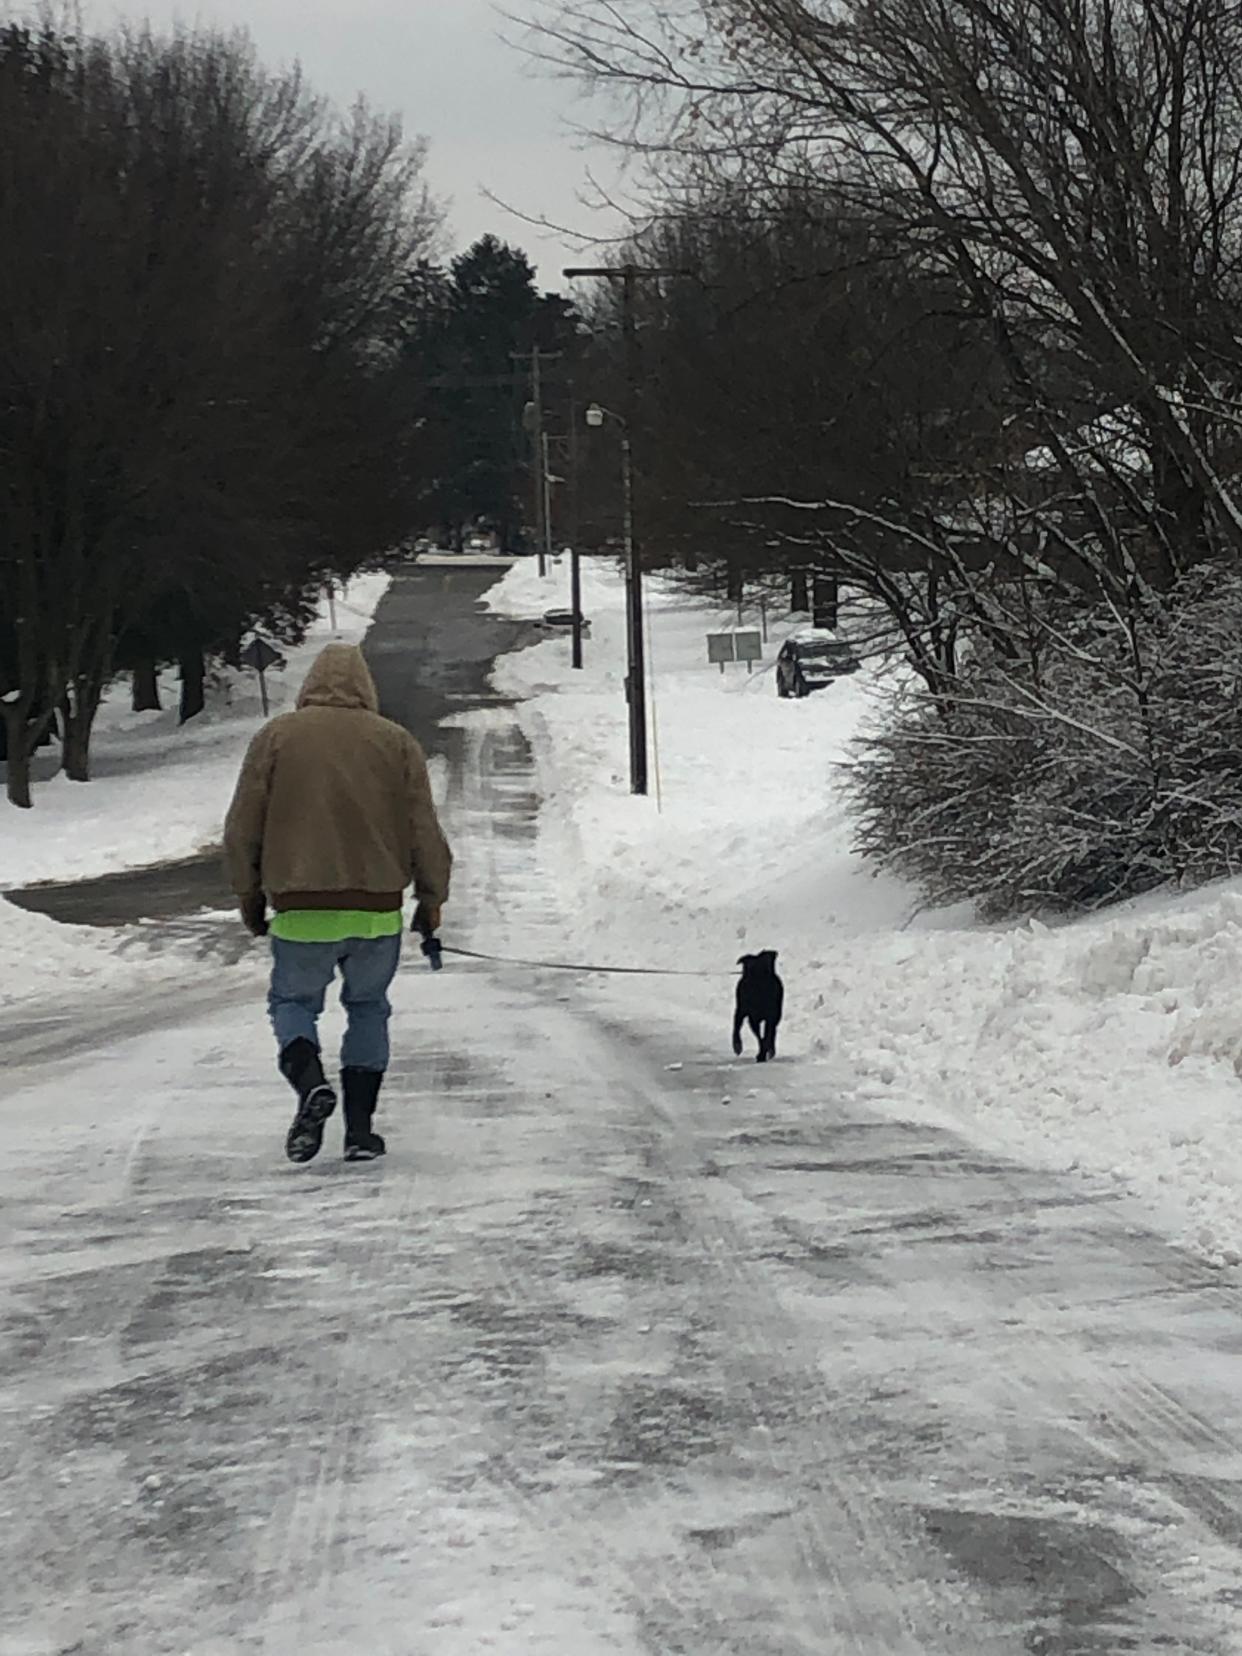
pixel 562 621
pixel 810 661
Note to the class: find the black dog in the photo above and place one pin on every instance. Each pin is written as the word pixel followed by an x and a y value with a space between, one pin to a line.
pixel 760 1002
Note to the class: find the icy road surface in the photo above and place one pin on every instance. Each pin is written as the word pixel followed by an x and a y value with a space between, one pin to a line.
pixel 596 1362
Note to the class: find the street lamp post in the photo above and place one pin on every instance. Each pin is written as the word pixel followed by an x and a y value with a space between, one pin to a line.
pixel 629 276
pixel 575 600
pixel 636 653
pixel 575 524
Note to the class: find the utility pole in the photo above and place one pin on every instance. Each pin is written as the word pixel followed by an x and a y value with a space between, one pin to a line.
pixel 547 498
pixel 575 526
pixel 539 450
pixel 629 275
pixel 634 610
pixel 539 467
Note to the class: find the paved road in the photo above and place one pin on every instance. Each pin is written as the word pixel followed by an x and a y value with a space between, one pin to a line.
pixel 626 1348
pixel 431 648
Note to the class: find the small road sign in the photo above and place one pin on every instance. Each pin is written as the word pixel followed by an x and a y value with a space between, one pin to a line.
pixel 261 655
pixel 721 649
pixel 749 647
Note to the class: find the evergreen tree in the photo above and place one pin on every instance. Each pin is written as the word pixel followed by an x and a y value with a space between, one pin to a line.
pixel 466 336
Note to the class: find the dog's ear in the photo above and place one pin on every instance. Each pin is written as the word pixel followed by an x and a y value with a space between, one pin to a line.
pixel 744 960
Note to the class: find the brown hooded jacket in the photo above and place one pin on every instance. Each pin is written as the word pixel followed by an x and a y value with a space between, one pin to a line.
pixel 333 808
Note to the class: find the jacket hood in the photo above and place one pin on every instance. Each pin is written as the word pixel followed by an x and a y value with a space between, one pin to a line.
pixel 340 677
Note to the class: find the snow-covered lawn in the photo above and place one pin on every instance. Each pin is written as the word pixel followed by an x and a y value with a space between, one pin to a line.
pixel 159 792
pixel 1112 1045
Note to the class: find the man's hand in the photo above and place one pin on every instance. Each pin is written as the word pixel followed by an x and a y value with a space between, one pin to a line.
pixel 427 917
pixel 254 914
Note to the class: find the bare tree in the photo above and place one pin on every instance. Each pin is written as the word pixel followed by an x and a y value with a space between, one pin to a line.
pixel 1071 171
pixel 193 426
pixel 1073 163
pixel 815 397
pixel 63 361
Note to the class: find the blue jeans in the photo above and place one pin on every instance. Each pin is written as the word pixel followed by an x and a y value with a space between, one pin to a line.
pixel 301 973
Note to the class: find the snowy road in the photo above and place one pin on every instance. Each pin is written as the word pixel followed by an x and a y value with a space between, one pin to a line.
pixel 597 1361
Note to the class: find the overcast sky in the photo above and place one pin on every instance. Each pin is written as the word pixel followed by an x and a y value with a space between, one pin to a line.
pixel 443 65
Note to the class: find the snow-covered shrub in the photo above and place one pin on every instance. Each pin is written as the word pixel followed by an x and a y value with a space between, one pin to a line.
pixel 1110 765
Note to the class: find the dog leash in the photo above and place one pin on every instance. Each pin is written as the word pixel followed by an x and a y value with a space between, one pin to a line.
pixel 576 966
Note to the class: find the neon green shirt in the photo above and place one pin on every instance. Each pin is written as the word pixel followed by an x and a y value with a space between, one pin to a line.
pixel 334 925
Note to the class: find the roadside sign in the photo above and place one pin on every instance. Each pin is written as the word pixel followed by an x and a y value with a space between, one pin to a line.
pixel 749 647
pixel 260 655
pixel 720 649
pixel 723 648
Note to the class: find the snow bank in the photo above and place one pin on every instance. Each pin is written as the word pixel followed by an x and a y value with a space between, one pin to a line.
pixel 1111 1046
pixel 744 827
pixel 159 792
pixel 49 968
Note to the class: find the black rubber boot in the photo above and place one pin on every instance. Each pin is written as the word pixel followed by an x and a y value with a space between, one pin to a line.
pixel 301 1067
pixel 360 1092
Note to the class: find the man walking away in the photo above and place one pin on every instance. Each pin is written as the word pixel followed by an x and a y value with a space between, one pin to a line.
pixel 331 821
